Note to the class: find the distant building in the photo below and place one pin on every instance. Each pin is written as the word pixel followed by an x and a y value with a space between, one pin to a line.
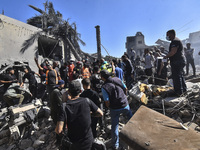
pixel 137 43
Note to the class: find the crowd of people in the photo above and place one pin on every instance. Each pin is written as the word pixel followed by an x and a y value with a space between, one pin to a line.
pixel 92 86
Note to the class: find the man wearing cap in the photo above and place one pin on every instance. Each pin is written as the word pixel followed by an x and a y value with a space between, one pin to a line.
pixel 55 104
pixel 75 113
pixel 114 95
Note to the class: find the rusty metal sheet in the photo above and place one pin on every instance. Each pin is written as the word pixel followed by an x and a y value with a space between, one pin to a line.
pixel 150 130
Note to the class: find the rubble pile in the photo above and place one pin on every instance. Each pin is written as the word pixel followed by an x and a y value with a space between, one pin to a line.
pixel 184 109
pixel 27 127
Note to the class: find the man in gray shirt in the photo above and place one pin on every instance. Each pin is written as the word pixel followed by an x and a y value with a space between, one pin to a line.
pixel 190 59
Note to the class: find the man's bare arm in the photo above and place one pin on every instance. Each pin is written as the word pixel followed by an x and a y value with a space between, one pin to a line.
pixel 59 127
pixel 172 52
pixel 98 113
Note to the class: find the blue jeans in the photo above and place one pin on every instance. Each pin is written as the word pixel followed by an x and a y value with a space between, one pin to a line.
pixel 115 114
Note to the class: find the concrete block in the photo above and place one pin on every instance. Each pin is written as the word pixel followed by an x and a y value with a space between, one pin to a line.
pixel 150 130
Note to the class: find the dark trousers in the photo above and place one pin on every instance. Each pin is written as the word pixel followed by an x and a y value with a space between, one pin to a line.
pixel 33 90
pixel 94 126
pixel 129 81
pixel 191 62
pixel 178 78
pixel 149 73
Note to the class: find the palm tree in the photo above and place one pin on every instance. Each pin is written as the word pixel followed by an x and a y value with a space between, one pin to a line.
pixel 51 23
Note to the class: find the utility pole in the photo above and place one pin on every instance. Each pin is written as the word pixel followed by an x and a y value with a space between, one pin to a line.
pixel 98 42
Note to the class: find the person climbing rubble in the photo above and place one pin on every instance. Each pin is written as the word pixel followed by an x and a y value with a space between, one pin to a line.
pixel 14 94
pixel 114 95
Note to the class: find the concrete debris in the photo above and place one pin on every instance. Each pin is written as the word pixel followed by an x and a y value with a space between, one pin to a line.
pixel 157 131
pixel 30 127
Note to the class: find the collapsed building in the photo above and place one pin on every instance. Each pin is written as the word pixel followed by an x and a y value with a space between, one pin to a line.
pixel 13 33
pixel 39 135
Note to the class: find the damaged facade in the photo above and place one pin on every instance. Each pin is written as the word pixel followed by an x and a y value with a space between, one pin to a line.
pixel 13 33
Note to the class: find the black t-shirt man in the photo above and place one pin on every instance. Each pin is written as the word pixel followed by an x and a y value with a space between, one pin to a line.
pixel 31 78
pixel 179 54
pixel 128 70
pixel 92 95
pixel 78 120
pixel 52 75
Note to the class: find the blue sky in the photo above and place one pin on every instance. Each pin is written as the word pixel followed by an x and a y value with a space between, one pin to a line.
pixel 117 19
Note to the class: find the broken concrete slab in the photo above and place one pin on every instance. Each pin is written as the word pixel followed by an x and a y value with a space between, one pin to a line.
pixel 150 130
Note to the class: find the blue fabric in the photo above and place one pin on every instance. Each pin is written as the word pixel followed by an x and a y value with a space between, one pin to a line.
pixel 115 114
pixel 119 73
pixel 115 90
pixel 105 95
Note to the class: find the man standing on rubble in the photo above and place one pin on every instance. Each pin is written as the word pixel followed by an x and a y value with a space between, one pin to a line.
pixel 75 113
pixel 55 104
pixel 148 62
pixel 189 59
pixel 114 95
pixel 177 62
pixel 128 71
pixel 30 75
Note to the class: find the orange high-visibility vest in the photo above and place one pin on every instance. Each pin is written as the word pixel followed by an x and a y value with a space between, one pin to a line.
pixel 85 73
pixel 55 74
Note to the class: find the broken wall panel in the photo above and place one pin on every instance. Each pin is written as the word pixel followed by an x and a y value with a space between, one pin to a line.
pixel 150 130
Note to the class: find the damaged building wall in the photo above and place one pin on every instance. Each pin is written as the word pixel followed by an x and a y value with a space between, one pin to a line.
pixel 12 35
pixel 137 43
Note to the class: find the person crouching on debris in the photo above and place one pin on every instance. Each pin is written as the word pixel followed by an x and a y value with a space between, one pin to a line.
pixel 55 104
pixel 114 95
pixel 14 93
pixel 8 79
pixel 29 74
pixel 75 113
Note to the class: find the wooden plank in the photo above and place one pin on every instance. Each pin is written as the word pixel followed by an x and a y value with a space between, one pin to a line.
pixel 150 130
pixel 22 109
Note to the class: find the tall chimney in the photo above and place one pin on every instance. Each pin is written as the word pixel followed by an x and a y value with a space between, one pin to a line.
pixel 98 42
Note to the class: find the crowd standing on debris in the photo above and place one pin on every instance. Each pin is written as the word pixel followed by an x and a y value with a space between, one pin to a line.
pixel 97 86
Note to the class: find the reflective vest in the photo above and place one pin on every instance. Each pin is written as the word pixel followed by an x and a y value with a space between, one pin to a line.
pixel 106 66
pixel 47 77
pixel 86 73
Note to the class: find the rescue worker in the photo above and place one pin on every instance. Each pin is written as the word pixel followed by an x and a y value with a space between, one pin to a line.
pixel 85 71
pixel 105 66
pixel 51 78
